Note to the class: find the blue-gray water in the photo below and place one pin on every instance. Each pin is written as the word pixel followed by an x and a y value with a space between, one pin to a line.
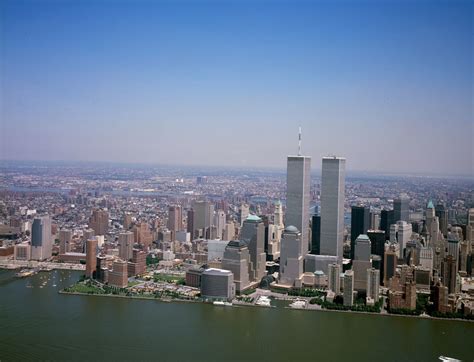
pixel 38 324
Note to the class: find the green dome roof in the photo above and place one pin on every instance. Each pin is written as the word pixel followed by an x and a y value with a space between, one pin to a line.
pixel 430 205
pixel 253 218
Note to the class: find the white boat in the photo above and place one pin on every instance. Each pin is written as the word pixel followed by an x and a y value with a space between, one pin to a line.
pixel 298 304
pixel 219 302
pixel 448 359
pixel 263 301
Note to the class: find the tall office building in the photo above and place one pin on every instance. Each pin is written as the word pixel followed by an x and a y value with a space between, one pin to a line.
pixel 377 244
pixel 190 223
pixel 373 282
pixel 237 260
pixel 99 222
pixel 118 277
pixel 125 242
pixel 390 262
pixel 203 217
pixel 470 225
pixel 348 298
pixel 442 213
pixel 243 213
pixel 332 205
pixel 127 221
pixel 65 238
pixel 253 233
pixel 175 220
pixel 220 222
pixel 316 235
pixel 229 231
pixel 334 278
pixel 401 208
pixel 41 239
pixel 291 257
pixel 401 233
pixel 360 222
pixel 387 218
pixel 298 183
pixel 361 262
pixel 91 257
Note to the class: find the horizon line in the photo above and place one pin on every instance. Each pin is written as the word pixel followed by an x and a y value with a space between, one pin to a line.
pixel 248 167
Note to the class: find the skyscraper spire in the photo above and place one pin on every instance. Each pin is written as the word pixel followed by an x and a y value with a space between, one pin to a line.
pixel 299 142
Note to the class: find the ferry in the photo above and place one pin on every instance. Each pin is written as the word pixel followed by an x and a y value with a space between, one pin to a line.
pixel 25 273
pixel 219 302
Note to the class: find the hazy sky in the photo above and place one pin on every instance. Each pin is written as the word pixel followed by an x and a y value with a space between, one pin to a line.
pixel 387 84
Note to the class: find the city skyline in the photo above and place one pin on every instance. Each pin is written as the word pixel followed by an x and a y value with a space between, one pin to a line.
pixel 197 83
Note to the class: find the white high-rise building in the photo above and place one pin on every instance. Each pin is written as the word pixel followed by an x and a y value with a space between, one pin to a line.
pixel 219 222
pixel 401 233
pixel 291 259
pixel 332 205
pixel 298 182
pixel 373 282
pixel 348 298
pixel 334 278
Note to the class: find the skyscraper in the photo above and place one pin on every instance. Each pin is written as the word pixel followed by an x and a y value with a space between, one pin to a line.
pixel 65 237
pixel 99 222
pixel 41 240
pixel 401 209
pixel 348 299
pixel 442 213
pixel 203 217
pixel 373 282
pixel 334 278
pixel 386 219
pixel 219 222
pixel 401 232
pixel 360 221
pixel 291 258
pixel 332 205
pixel 175 220
pixel 377 244
pixel 298 183
pixel 125 242
pixel 237 260
pixel 91 257
pixel 316 235
pixel 253 233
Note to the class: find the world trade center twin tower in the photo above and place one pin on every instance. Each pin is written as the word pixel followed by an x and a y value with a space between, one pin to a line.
pixel 332 202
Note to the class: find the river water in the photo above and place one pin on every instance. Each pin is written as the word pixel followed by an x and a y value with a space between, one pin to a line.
pixel 37 323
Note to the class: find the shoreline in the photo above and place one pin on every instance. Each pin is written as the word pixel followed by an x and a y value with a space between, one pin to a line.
pixel 257 306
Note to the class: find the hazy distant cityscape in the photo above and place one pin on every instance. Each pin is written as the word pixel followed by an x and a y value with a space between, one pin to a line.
pixel 236 180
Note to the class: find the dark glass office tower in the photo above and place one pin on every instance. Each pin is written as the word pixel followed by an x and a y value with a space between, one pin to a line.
pixel 442 213
pixel 360 221
pixel 386 219
pixel 316 234
pixel 400 209
pixel 377 246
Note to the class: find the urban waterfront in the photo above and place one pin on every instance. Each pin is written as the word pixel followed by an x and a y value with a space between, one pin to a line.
pixel 38 323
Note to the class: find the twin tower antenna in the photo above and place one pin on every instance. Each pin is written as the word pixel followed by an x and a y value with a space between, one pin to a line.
pixel 299 142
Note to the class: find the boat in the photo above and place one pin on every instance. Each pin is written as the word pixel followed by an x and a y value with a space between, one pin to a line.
pixel 263 301
pixel 448 359
pixel 25 273
pixel 219 302
pixel 298 304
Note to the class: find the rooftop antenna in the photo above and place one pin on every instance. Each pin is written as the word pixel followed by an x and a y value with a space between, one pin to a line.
pixel 299 143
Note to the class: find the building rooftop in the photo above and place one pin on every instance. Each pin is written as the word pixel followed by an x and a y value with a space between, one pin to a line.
pixel 253 218
pixel 215 271
pixel 291 229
